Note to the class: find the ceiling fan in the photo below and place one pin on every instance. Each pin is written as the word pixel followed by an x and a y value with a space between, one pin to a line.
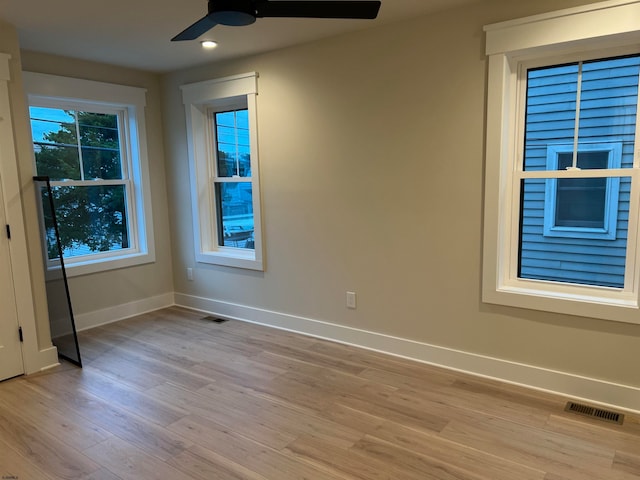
pixel 245 12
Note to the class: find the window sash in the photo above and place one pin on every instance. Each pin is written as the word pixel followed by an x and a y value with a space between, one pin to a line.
pixel 508 279
pixel 125 181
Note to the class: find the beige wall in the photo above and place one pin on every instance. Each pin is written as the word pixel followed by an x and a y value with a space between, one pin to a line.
pixel 371 149
pixel 91 293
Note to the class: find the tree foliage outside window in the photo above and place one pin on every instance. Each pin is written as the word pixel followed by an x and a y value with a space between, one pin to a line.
pixel 81 153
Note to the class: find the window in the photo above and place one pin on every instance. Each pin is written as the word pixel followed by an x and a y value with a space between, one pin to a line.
pixel 232 179
pixel 561 194
pixel 582 207
pixel 221 126
pixel 88 138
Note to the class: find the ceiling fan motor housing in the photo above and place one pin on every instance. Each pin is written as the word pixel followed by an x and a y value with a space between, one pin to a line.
pixel 234 13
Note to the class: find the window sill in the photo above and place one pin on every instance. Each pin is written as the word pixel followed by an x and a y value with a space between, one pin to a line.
pixel 568 300
pixel 232 257
pixel 76 269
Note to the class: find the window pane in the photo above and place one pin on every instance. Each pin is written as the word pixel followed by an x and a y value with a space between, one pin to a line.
pixel 605 107
pixel 100 145
pixel 91 219
pixel 232 143
pixel 585 161
pixel 574 258
pixel 581 202
pixel 55 143
pixel 234 202
pixel 551 111
pixel 609 97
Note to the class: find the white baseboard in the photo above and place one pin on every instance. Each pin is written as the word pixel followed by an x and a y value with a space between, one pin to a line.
pixel 88 320
pixel 574 386
pixel 47 358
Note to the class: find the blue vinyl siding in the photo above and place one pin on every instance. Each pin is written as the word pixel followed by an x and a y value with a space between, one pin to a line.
pixel 608 106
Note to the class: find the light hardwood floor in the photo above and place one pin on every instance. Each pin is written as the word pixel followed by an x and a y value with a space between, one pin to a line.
pixel 168 395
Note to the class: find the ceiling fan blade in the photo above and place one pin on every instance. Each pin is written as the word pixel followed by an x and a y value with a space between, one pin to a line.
pixel 318 9
pixel 194 31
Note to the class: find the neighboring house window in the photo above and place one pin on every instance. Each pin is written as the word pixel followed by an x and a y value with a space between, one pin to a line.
pixel 223 150
pixel 88 138
pixel 582 207
pixel 561 196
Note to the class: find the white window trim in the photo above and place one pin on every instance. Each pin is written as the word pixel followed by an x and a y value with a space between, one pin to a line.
pixel 591 30
pixel 200 100
pixel 52 90
pixel 614 152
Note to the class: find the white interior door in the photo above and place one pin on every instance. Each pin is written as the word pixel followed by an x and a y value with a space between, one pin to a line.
pixel 10 350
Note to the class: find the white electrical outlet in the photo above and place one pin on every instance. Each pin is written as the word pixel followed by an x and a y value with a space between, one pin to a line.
pixel 351 299
pixel 190 274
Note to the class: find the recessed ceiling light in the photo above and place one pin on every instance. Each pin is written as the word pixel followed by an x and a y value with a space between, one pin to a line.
pixel 209 44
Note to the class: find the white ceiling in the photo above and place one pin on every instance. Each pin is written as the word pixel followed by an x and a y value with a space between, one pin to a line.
pixel 136 33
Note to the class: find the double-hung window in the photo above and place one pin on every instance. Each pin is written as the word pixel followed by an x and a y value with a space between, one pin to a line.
pixel 88 138
pixel 562 171
pixel 223 150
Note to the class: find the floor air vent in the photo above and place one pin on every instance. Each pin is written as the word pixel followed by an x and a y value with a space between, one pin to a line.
pixel 598 413
pixel 214 319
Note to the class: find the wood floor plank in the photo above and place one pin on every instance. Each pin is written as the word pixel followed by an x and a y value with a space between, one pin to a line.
pixel 37 411
pixel 284 390
pixel 443 453
pixel 381 404
pixel 149 436
pixel 627 462
pixel 166 370
pixel 127 371
pixel 102 474
pixel 318 359
pixel 220 438
pixel 274 464
pixel 358 420
pixel 209 465
pixel 45 451
pixel 231 415
pixel 385 363
pixel 342 461
pixel 171 394
pixel 594 431
pixel 14 465
pixel 420 466
pixel 281 417
pixel 536 448
pixel 131 463
pixel 104 387
pixel 462 402
pixel 396 377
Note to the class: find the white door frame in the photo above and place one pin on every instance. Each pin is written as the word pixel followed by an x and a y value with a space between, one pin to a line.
pixel 37 354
